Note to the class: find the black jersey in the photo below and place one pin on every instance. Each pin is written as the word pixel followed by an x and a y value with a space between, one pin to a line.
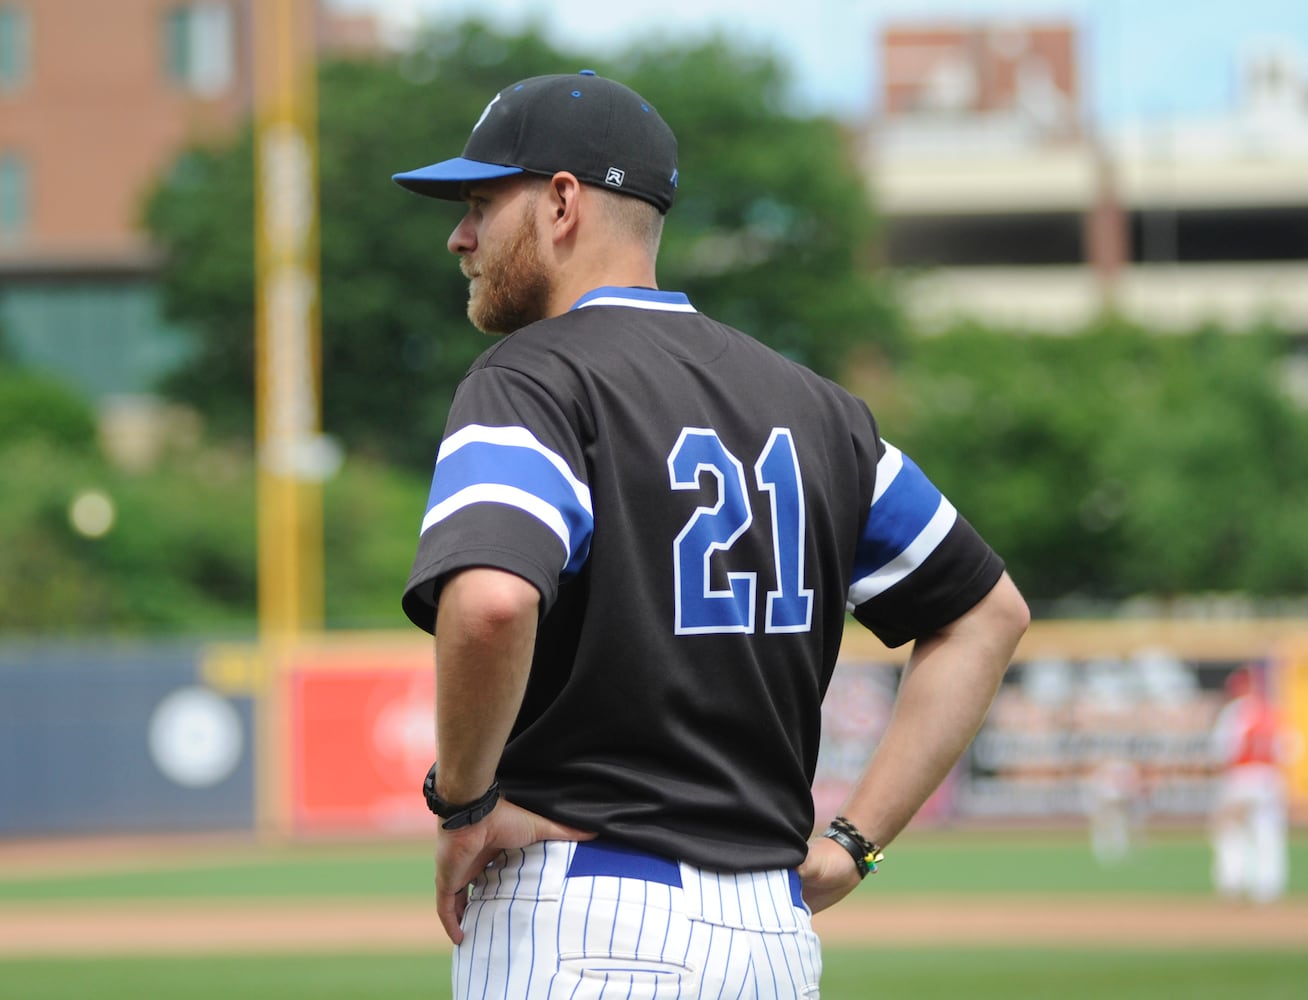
pixel 698 513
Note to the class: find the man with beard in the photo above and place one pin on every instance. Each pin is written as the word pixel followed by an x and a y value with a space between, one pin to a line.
pixel 643 535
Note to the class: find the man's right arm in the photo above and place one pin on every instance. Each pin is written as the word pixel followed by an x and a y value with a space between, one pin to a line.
pixel 485 633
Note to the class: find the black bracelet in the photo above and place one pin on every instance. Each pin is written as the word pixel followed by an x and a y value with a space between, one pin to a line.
pixel 866 854
pixel 465 814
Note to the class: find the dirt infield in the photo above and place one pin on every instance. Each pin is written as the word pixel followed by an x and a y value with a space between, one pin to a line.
pixel 368 926
pixel 57 928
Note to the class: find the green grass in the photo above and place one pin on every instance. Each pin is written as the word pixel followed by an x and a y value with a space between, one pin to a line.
pixel 927 862
pixel 902 974
pixel 249 977
pixel 1171 862
pixel 994 974
pixel 278 873
pixel 930 861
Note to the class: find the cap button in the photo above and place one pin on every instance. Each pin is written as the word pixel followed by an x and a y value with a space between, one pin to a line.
pixel 586 72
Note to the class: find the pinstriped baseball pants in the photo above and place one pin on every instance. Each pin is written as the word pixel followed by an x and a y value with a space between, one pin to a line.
pixel 599 921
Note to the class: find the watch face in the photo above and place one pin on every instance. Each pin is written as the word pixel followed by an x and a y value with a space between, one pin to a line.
pixel 434 801
pixel 459 815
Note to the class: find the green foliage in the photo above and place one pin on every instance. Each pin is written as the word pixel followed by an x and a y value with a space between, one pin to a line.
pixel 179 553
pixel 1116 462
pixel 203 212
pixel 370 531
pixel 38 407
pixel 772 213
pixel 771 219
pixel 1103 465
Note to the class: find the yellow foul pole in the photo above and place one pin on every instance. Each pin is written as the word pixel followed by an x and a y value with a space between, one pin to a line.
pixel 291 457
pixel 287 377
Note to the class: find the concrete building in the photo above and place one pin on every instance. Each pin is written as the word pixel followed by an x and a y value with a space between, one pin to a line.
pixel 96 101
pixel 1005 202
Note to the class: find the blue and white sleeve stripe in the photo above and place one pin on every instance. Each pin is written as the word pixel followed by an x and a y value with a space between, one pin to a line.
pixel 908 519
pixel 510 466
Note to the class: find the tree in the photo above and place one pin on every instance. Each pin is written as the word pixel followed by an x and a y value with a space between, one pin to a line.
pixel 1212 467
pixel 773 218
pixel 1116 462
pixel 771 221
pixel 38 406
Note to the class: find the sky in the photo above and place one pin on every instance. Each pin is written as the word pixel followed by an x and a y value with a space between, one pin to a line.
pixel 1141 60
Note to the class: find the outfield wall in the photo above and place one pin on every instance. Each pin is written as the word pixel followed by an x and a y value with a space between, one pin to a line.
pixel 332 736
pixel 115 738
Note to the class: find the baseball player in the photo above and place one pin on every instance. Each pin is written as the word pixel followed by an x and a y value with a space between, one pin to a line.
pixel 643 535
pixel 1114 795
pixel 1250 820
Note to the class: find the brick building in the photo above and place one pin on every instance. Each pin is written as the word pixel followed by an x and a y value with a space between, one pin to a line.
pixel 96 100
pixel 1004 200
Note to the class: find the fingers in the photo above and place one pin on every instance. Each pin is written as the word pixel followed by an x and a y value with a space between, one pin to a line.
pixel 464 854
pixel 450 907
pixel 826 875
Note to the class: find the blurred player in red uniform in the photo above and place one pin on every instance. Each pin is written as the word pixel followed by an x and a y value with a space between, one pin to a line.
pixel 1251 744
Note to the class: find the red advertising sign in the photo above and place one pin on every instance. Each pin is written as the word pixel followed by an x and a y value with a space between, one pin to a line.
pixel 361 740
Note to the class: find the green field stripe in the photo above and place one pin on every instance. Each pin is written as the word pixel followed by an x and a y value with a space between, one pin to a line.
pixel 956 863
pixel 358 873
pixel 849 974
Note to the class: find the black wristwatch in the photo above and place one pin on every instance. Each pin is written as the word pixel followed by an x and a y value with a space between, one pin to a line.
pixel 454 815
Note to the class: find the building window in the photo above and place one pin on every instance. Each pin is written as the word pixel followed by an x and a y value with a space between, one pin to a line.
pixel 15 43
pixel 14 197
pixel 1212 235
pixel 199 47
pixel 1016 239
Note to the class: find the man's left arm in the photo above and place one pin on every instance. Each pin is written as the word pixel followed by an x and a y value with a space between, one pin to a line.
pixel 947 689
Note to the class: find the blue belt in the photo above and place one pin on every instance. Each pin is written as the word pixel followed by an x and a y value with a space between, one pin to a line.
pixel 596 857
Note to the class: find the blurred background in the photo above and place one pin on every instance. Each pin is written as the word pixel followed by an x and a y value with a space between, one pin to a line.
pixel 1060 248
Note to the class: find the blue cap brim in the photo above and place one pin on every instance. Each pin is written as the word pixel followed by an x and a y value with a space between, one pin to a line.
pixel 446 179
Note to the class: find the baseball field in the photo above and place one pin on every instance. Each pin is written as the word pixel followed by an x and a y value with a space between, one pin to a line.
pixel 1008 915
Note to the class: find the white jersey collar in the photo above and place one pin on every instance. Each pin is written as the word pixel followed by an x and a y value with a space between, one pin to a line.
pixel 636 298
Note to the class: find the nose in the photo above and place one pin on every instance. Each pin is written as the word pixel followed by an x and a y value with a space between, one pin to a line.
pixel 464 238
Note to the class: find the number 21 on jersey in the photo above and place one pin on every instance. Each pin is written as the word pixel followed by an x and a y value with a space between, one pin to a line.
pixel 702 608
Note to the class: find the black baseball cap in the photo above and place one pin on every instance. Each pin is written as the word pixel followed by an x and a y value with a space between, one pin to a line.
pixel 602 131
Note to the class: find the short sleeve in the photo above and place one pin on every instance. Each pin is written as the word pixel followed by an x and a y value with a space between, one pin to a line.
pixel 508 491
pixel 919 563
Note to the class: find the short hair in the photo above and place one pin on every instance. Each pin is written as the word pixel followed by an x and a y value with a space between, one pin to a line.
pixel 633 218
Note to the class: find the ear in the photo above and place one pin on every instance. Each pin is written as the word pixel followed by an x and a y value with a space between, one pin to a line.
pixel 563 205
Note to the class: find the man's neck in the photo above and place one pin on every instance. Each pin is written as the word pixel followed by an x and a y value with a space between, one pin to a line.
pixel 630 270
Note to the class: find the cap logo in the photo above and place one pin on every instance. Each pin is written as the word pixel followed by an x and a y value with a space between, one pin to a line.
pixel 614 177
pixel 486 112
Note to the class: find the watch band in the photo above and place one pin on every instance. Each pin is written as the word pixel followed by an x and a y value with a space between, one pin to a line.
pixel 865 853
pixel 455 815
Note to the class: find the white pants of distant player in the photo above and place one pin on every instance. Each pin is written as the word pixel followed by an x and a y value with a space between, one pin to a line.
pixel 1250 831
pixel 1112 794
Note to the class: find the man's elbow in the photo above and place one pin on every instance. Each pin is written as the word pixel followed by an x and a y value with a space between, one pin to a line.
pixel 488 600
pixel 997 622
pixel 1012 614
